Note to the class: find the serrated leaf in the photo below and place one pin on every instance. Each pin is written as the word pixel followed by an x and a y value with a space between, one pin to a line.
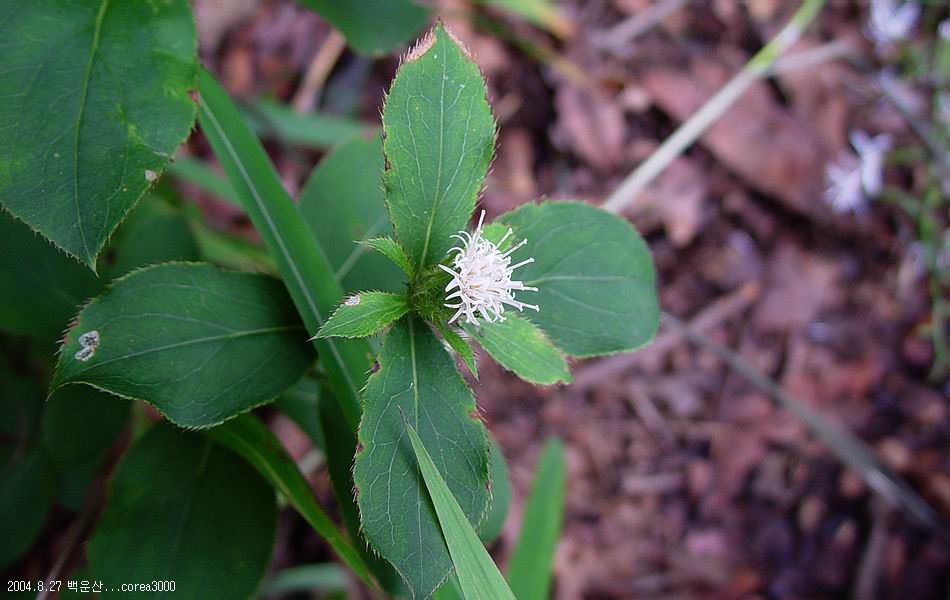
pixel 461 347
pixel 364 314
pixel 519 346
pixel 490 528
pixel 184 509
pixel 595 277
pixel 530 565
pixel 247 436
pixel 391 249
pixel 439 137
pixel 417 378
pixel 373 27
pixel 478 576
pixel 95 101
pixel 200 344
pixel 342 203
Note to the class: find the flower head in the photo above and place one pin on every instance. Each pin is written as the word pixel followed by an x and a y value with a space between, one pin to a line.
pixel 481 277
pixel 891 21
pixel 854 179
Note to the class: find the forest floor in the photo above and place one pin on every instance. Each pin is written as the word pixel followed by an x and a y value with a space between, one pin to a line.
pixel 683 480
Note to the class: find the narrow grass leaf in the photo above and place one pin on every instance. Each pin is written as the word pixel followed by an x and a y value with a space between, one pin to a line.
pixel 247 436
pixel 268 117
pixel 477 573
pixel 417 378
pixel 529 568
pixel 200 173
pixel 302 263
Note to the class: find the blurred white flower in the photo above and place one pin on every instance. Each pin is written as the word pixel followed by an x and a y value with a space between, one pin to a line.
pixel 482 277
pixel 943 30
pixel 854 179
pixel 844 184
pixel 892 21
pixel 871 152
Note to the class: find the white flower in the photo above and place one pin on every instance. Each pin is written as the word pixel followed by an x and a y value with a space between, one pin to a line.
pixel 482 278
pixel 890 21
pixel 871 151
pixel 854 179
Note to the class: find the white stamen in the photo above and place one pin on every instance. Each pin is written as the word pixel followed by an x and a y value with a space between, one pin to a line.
pixel 482 275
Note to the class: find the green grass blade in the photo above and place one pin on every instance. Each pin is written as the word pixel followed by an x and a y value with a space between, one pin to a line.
pixel 302 263
pixel 200 173
pixel 267 117
pixel 530 565
pixel 477 573
pixel 247 436
pixel 318 577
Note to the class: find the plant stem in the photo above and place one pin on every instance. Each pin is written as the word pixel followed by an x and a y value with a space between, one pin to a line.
pixel 759 66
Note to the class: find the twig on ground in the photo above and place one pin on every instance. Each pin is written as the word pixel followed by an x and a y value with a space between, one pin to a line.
pixel 617 39
pixel 305 100
pixel 691 129
pixel 847 447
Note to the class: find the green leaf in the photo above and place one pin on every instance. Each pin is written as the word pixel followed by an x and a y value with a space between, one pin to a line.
pixel 391 249
pixel 417 378
pixel 519 346
pixel 529 567
pixel 373 27
pixel 342 203
pixel 267 117
pixel 200 344
pixel 184 509
pixel 364 314
pixel 247 436
pixel 491 527
pixel 461 347
pixel 477 573
pixel 95 101
pixel 40 295
pixel 27 489
pixel 439 140
pixel 81 423
pixel 303 265
pixel 595 276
